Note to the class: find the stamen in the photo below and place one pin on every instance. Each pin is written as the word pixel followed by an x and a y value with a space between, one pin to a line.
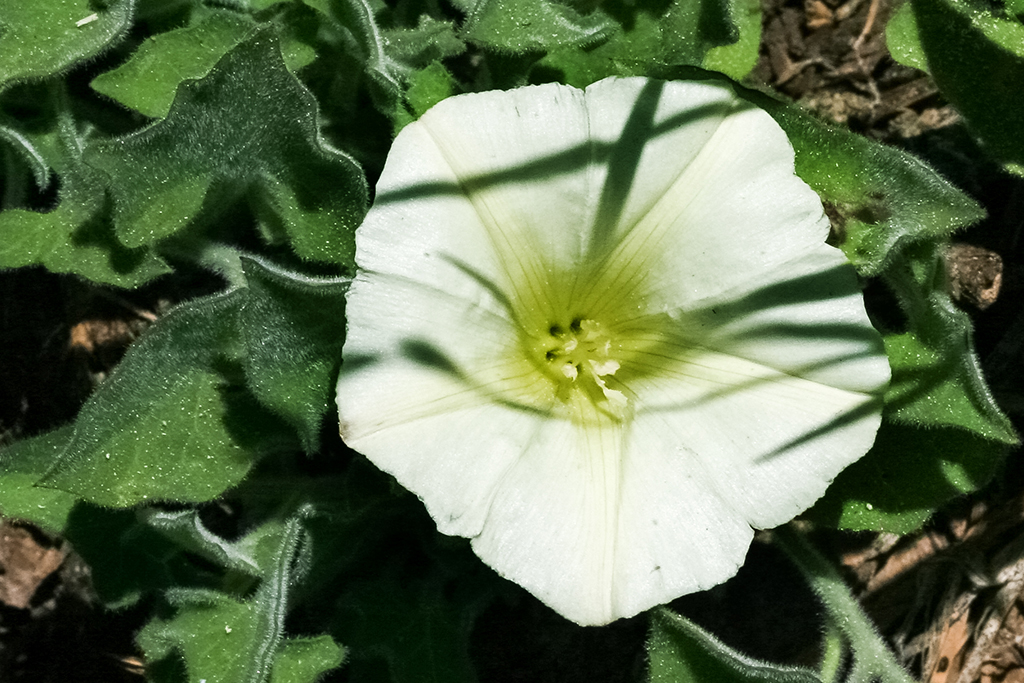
pixel 584 358
pixel 605 367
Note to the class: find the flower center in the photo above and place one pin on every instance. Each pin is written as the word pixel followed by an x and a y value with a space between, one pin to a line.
pixel 579 356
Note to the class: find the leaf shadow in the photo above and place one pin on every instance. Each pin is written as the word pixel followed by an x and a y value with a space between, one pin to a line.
pixel 639 130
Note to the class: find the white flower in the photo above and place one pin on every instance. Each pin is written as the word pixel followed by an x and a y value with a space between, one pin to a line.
pixel 600 334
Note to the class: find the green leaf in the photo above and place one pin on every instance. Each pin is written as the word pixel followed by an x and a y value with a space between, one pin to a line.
pixel 972 55
pixel 880 199
pixel 902 39
pixel 943 386
pixel 738 59
pixel 294 328
pixel 384 73
pixel 249 123
pixel 634 51
pixel 906 476
pixel 429 41
pixel 38 39
pixel 653 36
pixel 690 29
pixel 128 559
pixel 302 660
pixel 943 433
pixel 148 81
pixel 427 87
pixel 322 6
pixel 41 127
pixel 23 146
pixel 153 549
pixel 215 634
pixel 76 237
pixel 160 15
pixel 679 651
pixel 357 509
pixel 21 466
pixel 936 377
pixel 518 26
pixel 165 425
pixel 222 638
pixel 187 530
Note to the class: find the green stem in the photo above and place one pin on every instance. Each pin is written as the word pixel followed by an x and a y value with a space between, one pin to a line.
pixel 832 656
pixel 872 659
pixel 67 129
pixel 223 259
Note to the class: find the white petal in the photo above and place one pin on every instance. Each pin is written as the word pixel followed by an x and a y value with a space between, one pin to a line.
pixel 720 212
pixel 500 189
pixel 812 326
pixel 602 522
pixel 676 533
pixel 552 523
pixel 770 442
pixel 724 236
pixel 437 437
pixel 431 389
pixel 648 133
